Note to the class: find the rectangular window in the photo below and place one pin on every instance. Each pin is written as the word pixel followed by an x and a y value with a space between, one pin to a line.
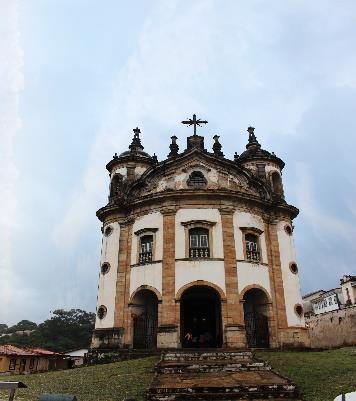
pixel 12 364
pixel 194 241
pixel 146 247
pixel 203 241
pixel 146 243
pixel 32 364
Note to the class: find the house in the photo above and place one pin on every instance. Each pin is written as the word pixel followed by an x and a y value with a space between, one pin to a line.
pixel 198 250
pixel 16 360
pixel 348 286
pixel 307 305
pixel 328 301
pixel 77 356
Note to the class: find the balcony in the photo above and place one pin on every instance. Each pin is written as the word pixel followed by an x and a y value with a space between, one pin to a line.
pixel 199 253
pixel 253 256
pixel 145 257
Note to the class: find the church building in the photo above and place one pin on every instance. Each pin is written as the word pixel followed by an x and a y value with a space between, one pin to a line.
pixel 197 250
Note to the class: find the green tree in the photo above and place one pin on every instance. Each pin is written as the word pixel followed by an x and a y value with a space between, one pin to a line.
pixel 21 326
pixel 3 328
pixel 65 330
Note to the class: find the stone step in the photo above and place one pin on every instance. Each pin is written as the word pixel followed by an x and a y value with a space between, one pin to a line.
pixel 185 356
pixel 208 366
pixel 221 386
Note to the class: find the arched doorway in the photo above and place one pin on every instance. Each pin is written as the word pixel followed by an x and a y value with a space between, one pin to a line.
pixel 256 310
pixel 144 313
pixel 200 308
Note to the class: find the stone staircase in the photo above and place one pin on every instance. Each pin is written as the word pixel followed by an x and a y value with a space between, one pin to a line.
pixel 217 375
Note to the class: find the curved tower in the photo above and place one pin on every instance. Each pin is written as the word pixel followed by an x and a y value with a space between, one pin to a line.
pixel 198 251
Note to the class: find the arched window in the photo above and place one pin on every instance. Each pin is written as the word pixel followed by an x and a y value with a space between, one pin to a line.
pixel 252 249
pixel 115 184
pixel 146 246
pixel 197 180
pixel 277 183
pixel 199 243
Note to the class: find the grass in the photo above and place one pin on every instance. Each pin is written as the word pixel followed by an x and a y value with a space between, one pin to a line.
pixel 109 382
pixel 320 376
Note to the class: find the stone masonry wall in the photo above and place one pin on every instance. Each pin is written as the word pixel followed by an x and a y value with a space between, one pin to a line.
pixel 333 329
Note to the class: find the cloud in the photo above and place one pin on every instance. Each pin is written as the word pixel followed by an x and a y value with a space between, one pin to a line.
pixel 324 224
pixel 245 63
pixel 11 86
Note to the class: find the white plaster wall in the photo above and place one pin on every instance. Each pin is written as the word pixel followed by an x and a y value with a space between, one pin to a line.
pixel 189 271
pixel 119 170
pixel 244 219
pixel 107 282
pixel 146 275
pixel 150 220
pixel 352 292
pixel 213 215
pixel 271 167
pixel 249 274
pixel 139 170
pixel 291 283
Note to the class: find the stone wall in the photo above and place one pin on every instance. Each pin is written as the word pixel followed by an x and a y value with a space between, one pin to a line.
pixel 333 329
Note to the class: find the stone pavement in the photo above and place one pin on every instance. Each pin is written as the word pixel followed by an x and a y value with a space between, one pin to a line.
pixel 217 375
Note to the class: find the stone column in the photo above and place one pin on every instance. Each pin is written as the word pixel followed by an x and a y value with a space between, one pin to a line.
pixel 123 281
pixel 169 318
pixel 279 317
pixel 235 336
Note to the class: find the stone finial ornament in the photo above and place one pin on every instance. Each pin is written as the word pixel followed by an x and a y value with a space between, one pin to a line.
pixel 217 146
pixel 252 140
pixel 173 147
pixel 154 158
pixel 136 144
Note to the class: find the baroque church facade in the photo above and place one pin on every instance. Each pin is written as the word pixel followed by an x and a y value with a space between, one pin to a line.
pixel 198 251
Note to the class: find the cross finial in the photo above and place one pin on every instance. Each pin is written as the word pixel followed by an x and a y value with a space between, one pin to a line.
pixel 137 132
pixel 194 121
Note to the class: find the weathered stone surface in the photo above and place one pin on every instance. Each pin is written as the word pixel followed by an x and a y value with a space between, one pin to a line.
pixel 217 375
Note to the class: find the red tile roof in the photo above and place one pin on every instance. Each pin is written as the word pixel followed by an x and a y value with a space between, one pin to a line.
pixel 14 350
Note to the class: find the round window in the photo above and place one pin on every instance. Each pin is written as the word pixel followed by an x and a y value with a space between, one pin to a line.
pixel 298 310
pixel 293 268
pixel 288 229
pixel 101 312
pixel 108 230
pixel 105 267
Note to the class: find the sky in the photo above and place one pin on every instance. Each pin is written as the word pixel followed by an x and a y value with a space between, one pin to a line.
pixel 77 76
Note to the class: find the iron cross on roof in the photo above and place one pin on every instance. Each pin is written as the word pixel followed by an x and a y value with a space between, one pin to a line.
pixel 194 122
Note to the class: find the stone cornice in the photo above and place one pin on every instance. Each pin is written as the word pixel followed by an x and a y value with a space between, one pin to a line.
pixel 268 209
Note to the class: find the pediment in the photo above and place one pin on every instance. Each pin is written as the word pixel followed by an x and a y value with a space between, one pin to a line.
pixel 219 174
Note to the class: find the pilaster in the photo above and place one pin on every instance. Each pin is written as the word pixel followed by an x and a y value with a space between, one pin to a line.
pixel 121 318
pixel 234 328
pixel 275 275
pixel 168 334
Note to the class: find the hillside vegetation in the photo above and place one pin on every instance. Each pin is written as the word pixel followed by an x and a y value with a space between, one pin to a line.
pixel 111 382
pixel 320 376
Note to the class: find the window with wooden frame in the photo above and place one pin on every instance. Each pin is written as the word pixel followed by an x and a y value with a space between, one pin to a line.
pixel 198 239
pixel 12 364
pixel 252 243
pixel 199 243
pixel 146 246
pixel 146 242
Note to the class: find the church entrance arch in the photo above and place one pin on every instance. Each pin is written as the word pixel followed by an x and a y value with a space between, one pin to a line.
pixel 200 309
pixel 256 313
pixel 144 313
